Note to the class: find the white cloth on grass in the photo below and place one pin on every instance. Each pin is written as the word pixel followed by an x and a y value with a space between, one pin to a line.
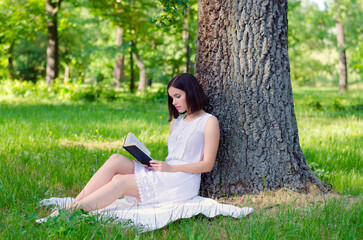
pixel 151 217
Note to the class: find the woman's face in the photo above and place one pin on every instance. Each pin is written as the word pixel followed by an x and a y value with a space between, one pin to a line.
pixel 179 99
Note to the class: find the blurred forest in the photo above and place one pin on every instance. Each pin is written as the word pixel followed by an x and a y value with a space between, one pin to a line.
pixel 133 43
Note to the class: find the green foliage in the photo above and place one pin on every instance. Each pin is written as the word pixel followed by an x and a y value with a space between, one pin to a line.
pixel 61 91
pixel 30 59
pixel 87 38
pixel 159 95
pixel 309 32
pixel 315 104
pixel 87 46
pixel 173 10
pixel 313 49
pixel 85 43
pixel 20 23
pixel 349 12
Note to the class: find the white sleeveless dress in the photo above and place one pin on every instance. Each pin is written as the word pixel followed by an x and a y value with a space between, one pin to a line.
pixel 185 145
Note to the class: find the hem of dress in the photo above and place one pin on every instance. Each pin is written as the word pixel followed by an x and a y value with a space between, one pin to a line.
pixel 144 198
pixel 131 199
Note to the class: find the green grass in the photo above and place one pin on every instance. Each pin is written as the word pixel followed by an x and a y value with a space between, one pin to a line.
pixel 51 147
pixel 331 135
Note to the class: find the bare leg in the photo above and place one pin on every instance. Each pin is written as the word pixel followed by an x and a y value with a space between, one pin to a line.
pixel 116 164
pixel 121 184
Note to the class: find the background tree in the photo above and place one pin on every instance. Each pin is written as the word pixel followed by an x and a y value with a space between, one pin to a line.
pixel 132 18
pixel 345 13
pixel 353 22
pixel 311 43
pixel 51 8
pixel 242 62
pixel 164 38
pixel 343 78
pixel 85 43
pixel 118 72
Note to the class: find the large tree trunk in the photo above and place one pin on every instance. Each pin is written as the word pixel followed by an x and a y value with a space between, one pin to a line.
pixel 118 71
pixel 343 82
pixel 242 63
pixel 52 8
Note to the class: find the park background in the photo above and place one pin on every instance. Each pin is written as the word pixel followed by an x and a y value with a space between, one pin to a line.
pixel 114 60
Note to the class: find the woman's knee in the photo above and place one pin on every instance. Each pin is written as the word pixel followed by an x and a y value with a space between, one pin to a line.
pixel 127 183
pixel 116 159
pixel 120 179
pixel 120 164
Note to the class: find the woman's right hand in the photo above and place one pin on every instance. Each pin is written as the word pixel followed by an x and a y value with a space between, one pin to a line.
pixel 148 168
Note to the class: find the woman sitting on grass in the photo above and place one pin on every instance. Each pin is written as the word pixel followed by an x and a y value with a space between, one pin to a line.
pixel 192 149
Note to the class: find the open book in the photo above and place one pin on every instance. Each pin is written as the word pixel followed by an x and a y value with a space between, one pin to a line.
pixel 137 149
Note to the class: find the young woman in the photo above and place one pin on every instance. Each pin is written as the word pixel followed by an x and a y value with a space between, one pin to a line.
pixel 192 149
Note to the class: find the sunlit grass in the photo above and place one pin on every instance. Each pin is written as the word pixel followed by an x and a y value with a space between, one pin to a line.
pixel 52 147
pixel 335 146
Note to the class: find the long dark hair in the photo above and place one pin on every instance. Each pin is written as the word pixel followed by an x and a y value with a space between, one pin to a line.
pixel 195 97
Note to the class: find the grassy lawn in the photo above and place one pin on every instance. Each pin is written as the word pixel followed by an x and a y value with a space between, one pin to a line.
pixel 52 147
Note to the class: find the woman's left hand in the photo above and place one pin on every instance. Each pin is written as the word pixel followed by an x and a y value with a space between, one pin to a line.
pixel 160 166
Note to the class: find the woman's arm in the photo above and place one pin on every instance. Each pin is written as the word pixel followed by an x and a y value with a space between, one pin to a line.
pixel 211 142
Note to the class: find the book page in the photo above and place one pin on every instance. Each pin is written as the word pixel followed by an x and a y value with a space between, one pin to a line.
pixel 131 139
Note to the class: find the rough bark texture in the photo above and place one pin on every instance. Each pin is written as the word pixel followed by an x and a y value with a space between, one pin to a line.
pixel 118 70
pixel 242 63
pixel 51 8
pixel 343 83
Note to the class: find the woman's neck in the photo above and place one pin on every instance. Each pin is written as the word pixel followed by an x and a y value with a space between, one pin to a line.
pixel 194 115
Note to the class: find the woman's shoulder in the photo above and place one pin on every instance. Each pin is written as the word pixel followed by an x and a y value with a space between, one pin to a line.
pixel 208 119
pixel 211 125
pixel 208 116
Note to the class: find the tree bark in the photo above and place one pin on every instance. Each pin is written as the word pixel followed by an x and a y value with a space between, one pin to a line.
pixel 52 8
pixel 118 71
pixel 242 63
pixel 343 76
